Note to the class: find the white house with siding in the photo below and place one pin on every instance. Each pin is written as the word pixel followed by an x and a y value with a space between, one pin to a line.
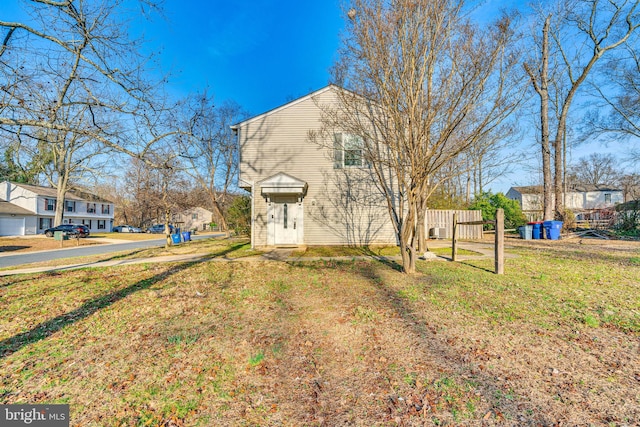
pixel 30 209
pixel 579 198
pixel 306 192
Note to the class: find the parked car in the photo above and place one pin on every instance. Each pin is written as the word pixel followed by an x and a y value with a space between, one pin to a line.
pixel 126 229
pixel 159 228
pixel 79 230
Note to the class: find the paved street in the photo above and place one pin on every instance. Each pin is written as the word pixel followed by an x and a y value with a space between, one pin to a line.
pixel 30 257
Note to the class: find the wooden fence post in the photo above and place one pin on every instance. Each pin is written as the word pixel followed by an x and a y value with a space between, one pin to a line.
pixel 499 245
pixel 454 249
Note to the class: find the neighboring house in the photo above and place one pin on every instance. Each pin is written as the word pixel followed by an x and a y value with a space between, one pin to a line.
pixel 306 192
pixel 581 199
pixel 193 219
pixel 14 220
pixel 37 209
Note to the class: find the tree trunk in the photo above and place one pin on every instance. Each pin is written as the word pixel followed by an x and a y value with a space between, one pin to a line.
pixel 408 253
pixel 167 213
pixel 408 237
pixel 167 229
pixel 544 123
pixel 421 224
pixel 61 189
pixel 217 210
pixel 558 172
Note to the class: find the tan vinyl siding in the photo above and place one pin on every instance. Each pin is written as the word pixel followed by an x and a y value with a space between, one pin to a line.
pixel 279 142
pixel 260 220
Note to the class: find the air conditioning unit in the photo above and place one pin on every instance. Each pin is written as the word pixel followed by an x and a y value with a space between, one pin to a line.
pixel 437 233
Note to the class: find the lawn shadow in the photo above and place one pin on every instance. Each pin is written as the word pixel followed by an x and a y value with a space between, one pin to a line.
pixel 227 250
pixel 382 259
pixel 15 282
pixel 12 344
pixel 476 267
pixel 439 349
pixel 13 248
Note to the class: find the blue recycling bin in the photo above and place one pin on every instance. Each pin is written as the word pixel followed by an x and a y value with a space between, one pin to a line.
pixel 186 236
pixel 175 238
pixel 552 229
pixel 537 229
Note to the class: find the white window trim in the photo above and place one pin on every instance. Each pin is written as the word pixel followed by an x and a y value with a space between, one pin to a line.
pixel 339 143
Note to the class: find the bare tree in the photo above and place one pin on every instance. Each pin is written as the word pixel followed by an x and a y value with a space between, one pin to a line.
pixel 425 85
pixel 630 184
pixel 574 38
pixel 210 151
pixel 140 195
pixel 72 77
pixel 479 166
pixel 618 115
pixel 595 169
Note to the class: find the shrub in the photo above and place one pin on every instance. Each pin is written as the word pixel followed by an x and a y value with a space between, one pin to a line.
pixel 239 215
pixel 488 202
pixel 628 217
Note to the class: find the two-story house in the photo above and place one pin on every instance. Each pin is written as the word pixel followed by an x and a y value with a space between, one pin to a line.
pixel 37 206
pixel 306 192
pixel 197 218
pixel 311 186
pixel 579 198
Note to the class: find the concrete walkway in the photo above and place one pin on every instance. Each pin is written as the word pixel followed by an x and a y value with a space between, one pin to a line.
pixel 276 255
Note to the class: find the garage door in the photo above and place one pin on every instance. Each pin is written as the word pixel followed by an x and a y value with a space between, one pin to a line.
pixel 11 226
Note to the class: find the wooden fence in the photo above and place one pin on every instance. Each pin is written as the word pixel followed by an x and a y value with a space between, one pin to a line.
pixel 443 219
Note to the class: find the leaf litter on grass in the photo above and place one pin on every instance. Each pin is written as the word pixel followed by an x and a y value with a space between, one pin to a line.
pixel 353 343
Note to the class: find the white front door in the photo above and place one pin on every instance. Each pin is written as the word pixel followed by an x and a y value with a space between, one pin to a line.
pixel 286 221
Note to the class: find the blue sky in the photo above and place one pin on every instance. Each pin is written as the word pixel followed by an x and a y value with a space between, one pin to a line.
pixel 259 53
pixel 264 53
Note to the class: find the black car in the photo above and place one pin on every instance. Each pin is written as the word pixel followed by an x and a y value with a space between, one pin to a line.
pixel 78 230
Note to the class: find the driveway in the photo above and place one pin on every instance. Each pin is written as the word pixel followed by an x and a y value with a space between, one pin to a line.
pixel 42 256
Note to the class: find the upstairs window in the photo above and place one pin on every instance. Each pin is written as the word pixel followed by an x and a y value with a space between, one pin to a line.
pixel 49 204
pixel 607 197
pixel 347 151
pixel 70 206
pixel 91 208
pixel 105 209
pixel 194 216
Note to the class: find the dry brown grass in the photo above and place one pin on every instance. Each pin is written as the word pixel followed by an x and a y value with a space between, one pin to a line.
pixel 553 342
pixel 31 244
pixel 42 243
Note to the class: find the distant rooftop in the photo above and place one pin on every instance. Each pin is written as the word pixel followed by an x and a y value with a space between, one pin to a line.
pixel 537 189
pixel 69 195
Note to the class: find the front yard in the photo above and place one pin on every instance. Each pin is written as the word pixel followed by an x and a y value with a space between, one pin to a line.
pixel 555 341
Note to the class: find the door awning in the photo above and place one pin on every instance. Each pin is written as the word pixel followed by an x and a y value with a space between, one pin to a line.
pixel 281 183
